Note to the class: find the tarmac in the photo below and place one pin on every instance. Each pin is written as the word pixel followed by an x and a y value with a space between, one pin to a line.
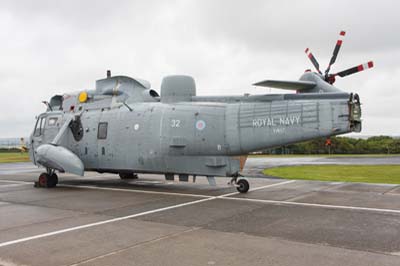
pixel 102 220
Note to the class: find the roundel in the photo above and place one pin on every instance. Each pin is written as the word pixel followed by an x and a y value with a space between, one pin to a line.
pixel 200 125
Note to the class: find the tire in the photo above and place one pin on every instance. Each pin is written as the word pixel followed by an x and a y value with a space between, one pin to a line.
pixel 52 181
pixel 169 177
pixel 43 180
pixel 243 186
pixel 46 180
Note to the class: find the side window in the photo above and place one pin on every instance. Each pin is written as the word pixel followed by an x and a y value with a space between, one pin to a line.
pixel 39 126
pixel 52 121
pixel 102 132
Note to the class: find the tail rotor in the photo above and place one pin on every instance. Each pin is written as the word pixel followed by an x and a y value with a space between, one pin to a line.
pixel 330 78
pixel 313 60
pixel 335 52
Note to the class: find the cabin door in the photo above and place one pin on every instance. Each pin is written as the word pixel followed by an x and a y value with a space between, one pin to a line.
pixel 88 150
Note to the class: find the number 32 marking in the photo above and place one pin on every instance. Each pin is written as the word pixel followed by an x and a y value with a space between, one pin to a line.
pixel 175 123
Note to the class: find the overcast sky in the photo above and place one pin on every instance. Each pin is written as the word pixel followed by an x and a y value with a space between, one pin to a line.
pixel 52 47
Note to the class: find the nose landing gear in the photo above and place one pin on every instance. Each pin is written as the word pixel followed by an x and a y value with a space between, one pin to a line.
pixel 47 180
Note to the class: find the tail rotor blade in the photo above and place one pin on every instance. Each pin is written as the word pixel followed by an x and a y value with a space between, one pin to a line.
pixel 355 69
pixel 336 51
pixel 313 60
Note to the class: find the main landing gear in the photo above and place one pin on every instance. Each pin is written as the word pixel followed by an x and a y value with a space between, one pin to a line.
pixel 128 176
pixel 242 185
pixel 47 180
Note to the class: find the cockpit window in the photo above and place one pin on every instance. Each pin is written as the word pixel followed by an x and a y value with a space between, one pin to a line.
pixel 52 121
pixel 39 126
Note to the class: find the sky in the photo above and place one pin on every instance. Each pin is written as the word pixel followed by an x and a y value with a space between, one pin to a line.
pixel 55 47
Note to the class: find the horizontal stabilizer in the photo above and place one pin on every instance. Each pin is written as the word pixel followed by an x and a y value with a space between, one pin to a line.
pixel 287 85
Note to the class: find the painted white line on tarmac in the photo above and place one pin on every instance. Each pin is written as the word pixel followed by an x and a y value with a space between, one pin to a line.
pixel 137 191
pixel 8 243
pixel 15 181
pixel 14 185
pixel 174 193
pixel 259 188
pixel 273 185
pixel 227 196
pixel 292 203
pixel 209 198
pixel 155 192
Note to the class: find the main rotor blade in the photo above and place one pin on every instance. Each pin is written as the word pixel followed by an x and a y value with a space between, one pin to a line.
pixel 355 69
pixel 313 60
pixel 336 51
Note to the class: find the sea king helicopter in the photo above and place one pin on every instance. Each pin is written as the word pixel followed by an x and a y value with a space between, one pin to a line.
pixel 125 127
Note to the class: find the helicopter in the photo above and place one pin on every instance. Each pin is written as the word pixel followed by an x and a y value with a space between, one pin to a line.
pixel 125 127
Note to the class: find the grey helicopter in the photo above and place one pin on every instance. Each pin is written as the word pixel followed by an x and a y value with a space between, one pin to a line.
pixel 125 127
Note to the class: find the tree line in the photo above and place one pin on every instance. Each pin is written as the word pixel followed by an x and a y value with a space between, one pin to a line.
pixel 342 145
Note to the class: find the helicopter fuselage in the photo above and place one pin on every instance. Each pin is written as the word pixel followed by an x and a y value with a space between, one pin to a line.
pixel 205 136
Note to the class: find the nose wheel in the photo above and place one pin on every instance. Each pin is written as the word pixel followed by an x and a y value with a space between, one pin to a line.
pixel 46 180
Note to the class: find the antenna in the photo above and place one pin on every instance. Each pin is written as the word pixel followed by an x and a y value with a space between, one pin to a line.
pixel 48 105
pixel 108 73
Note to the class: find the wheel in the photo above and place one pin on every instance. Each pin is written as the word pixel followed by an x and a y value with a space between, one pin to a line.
pixel 128 175
pixel 46 180
pixel 43 179
pixel 169 177
pixel 243 186
pixel 52 181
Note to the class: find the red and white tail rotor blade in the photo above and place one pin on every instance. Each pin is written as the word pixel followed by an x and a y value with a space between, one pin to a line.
pixel 313 60
pixel 355 69
pixel 336 51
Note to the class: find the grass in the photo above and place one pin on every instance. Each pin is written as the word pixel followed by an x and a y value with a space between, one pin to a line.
pixel 14 157
pixel 388 174
pixel 321 155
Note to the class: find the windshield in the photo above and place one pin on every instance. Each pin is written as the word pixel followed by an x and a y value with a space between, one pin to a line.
pixel 39 126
